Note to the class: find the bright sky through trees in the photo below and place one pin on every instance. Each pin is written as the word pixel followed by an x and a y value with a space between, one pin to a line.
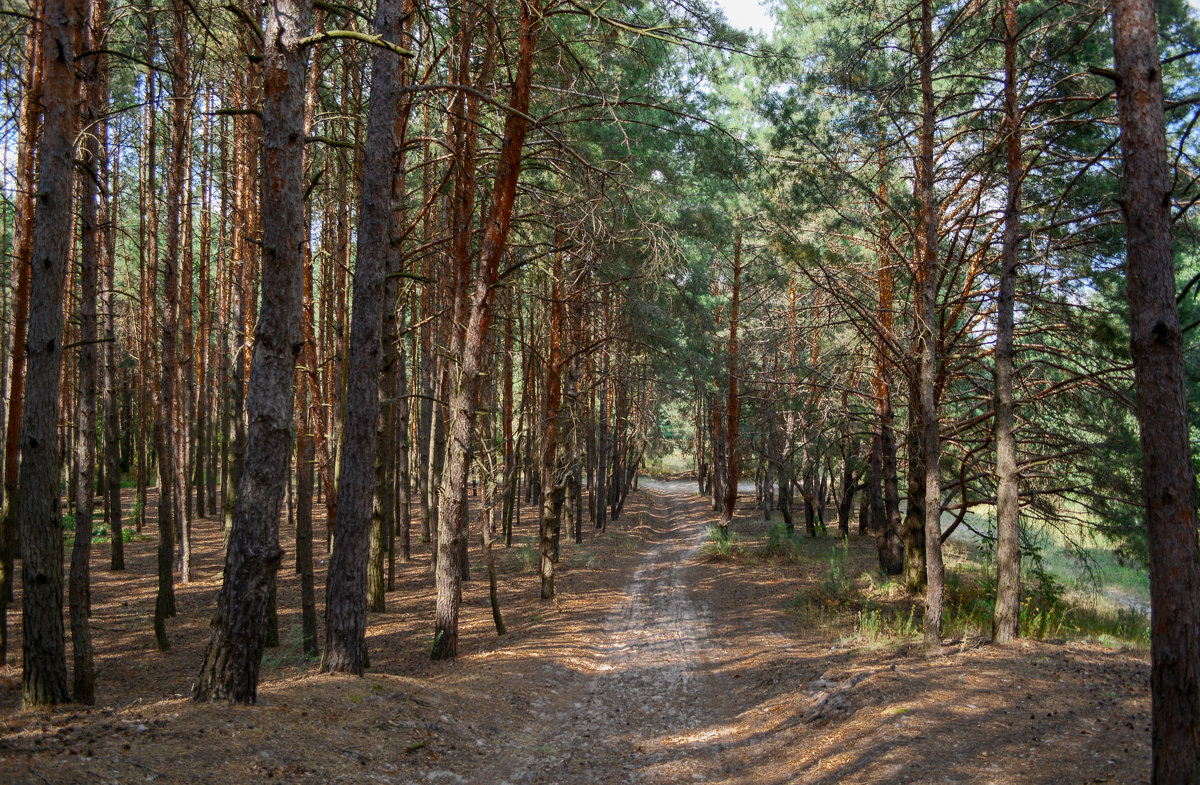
pixel 751 14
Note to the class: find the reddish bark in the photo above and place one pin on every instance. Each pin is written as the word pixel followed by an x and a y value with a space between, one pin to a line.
pixel 465 397
pixel 95 95
pixel 28 131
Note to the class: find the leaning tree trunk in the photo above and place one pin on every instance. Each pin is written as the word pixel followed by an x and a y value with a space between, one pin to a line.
pixel 231 662
pixel 1006 617
pixel 346 603
pixel 465 398
pixel 1168 480
pixel 44 672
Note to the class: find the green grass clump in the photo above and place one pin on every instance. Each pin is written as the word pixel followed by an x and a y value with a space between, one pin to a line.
pixel 582 559
pixel 523 558
pixel 838 581
pixel 718 544
pixel 781 544
pixel 1047 612
pixel 889 623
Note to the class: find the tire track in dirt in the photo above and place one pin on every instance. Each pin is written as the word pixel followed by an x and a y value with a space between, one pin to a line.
pixel 632 711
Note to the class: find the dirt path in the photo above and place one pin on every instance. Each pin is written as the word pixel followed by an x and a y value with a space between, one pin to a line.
pixel 657 665
pixel 639 694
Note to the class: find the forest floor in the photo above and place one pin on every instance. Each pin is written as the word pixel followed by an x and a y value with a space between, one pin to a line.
pixel 658 663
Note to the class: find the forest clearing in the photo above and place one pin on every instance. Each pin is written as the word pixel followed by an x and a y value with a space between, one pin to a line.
pixel 565 391
pixel 657 664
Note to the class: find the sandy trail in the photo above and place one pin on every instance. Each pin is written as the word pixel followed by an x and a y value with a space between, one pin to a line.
pixel 632 710
pixel 657 666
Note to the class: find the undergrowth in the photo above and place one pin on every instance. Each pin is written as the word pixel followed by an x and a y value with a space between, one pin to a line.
pixel 522 558
pixel 782 544
pixel 100 532
pixel 876 608
pixel 720 544
pixel 525 557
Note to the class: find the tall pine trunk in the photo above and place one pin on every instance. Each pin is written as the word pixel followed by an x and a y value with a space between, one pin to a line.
pixel 1006 617
pixel 112 429
pixel 927 332
pixel 553 479
pixel 231 661
pixel 1168 480
pixel 885 499
pixel 465 395
pixel 733 401
pixel 44 672
pixel 28 131
pixel 346 599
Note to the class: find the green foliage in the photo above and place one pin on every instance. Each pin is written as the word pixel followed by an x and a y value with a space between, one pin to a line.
pixel 889 623
pixel 135 513
pixel 523 558
pixel 1045 613
pixel 582 559
pixel 837 582
pixel 781 545
pixel 875 608
pixel 723 545
pixel 100 532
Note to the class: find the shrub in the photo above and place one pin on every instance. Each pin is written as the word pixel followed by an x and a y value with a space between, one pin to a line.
pixel 720 544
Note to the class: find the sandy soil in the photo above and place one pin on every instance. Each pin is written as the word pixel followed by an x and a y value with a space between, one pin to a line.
pixel 655 665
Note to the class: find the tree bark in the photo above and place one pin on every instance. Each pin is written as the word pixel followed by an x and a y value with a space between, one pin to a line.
pixel 1007 613
pixel 553 478
pixel 1168 479
pixel 733 402
pixel 166 434
pixel 346 603
pixel 112 429
pixel 885 499
pixel 92 241
pixel 29 132
pixel 304 509
pixel 231 661
pixel 147 264
pixel 44 675
pixel 914 513
pixel 465 397
pixel 602 438
pixel 927 332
